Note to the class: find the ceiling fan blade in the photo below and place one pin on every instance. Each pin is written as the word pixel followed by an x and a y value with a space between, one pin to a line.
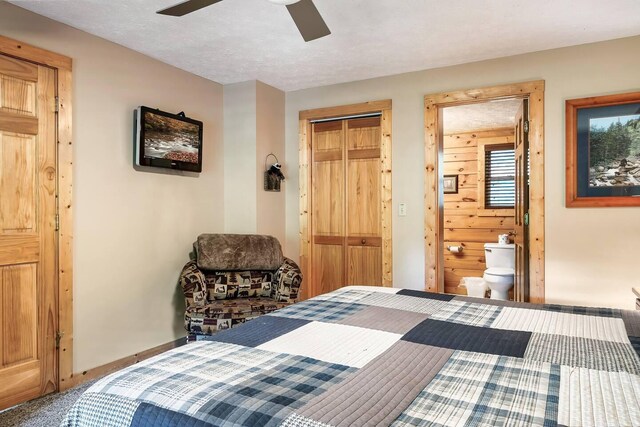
pixel 188 6
pixel 308 20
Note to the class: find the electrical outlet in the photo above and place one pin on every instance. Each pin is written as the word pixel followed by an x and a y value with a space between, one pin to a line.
pixel 402 209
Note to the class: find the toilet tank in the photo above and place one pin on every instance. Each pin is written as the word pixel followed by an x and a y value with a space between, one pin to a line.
pixel 502 256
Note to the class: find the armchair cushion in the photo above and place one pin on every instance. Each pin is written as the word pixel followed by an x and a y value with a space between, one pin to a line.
pixel 193 285
pixel 225 314
pixel 238 252
pixel 287 282
pixel 238 284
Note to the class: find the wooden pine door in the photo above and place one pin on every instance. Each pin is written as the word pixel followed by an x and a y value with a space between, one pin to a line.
pixel 521 220
pixel 346 205
pixel 28 280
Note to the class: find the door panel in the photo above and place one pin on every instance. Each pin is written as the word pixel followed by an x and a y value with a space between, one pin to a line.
pixel 328 267
pixel 363 197
pixel 28 279
pixel 19 318
pixel 328 200
pixel 364 133
pixel 365 267
pixel 364 206
pixel 521 279
pixel 17 182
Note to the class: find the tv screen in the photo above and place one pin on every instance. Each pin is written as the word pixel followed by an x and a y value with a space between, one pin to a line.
pixel 168 140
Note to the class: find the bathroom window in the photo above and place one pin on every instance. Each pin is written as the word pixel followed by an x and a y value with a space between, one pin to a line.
pixel 498 170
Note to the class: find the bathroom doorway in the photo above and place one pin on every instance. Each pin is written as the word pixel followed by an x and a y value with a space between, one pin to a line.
pixel 485 193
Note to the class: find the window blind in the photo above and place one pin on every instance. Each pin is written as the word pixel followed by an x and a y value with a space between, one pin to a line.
pixel 500 180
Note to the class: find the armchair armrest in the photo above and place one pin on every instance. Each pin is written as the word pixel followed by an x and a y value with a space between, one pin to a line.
pixel 288 279
pixel 193 285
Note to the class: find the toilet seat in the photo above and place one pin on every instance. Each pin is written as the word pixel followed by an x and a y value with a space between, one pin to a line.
pixel 500 271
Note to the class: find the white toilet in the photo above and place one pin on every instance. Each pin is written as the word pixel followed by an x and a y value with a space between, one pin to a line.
pixel 500 261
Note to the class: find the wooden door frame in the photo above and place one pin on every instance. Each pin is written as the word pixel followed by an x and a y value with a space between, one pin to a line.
pixel 433 203
pixel 305 118
pixel 63 68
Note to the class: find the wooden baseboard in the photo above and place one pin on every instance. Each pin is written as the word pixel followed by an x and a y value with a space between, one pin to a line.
pixel 88 375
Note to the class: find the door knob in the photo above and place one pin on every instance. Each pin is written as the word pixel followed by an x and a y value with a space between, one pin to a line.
pixel 363 241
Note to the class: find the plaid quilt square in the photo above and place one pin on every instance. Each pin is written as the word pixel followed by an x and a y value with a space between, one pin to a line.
pixel 100 410
pixel 485 390
pixel 347 295
pixel 586 311
pixel 467 313
pixel 213 368
pixel 559 323
pixel 321 311
pixel 593 398
pixel 403 302
pixel 583 352
pixel 268 398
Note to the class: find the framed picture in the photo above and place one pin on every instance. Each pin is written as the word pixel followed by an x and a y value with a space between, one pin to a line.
pixel 450 184
pixel 603 151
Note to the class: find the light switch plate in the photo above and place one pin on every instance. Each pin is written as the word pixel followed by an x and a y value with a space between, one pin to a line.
pixel 402 209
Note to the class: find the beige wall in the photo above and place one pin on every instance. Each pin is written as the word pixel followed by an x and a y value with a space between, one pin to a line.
pixel 253 128
pixel 240 190
pixel 133 230
pixel 592 254
pixel 270 139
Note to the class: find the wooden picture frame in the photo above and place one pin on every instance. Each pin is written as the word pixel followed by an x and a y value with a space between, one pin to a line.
pixel 603 151
pixel 450 184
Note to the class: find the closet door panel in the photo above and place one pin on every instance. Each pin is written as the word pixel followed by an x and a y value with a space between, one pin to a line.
pixel 328 208
pixel 365 266
pixel 328 267
pixel 328 198
pixel 364 204
pixel 363 195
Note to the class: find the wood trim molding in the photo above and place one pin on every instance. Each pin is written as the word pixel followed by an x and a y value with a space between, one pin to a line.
pixel 304 158
pixel 34 54
pixel 344 110
pixel 65 233
pixel 387 205
pixel 64 77
pixel 433 104
pixel 99 371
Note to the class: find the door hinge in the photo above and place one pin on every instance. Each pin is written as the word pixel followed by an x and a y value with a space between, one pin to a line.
pixel 57 104
pixel 526 218
pixel 57 222
pixel 58 338
pixel 525 125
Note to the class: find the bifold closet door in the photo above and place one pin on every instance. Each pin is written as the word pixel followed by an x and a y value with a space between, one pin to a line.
pixel 364 239
pixel 346 204
pixel 328 208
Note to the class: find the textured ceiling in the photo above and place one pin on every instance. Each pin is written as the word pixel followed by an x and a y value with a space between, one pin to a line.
pixel 480 116
pixel 240 40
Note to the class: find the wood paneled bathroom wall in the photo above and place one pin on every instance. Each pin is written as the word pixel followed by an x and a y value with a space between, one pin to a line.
pixel 463 226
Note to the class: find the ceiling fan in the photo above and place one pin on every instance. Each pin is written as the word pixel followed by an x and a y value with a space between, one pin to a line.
pixel 304 14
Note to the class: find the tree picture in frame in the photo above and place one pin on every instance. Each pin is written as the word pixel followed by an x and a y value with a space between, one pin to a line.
pixel 603 151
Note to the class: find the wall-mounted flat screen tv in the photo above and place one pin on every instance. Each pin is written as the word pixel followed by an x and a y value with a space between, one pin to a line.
pixel 166 140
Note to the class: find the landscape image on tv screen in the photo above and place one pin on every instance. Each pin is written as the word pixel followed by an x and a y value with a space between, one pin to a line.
pixel 171 139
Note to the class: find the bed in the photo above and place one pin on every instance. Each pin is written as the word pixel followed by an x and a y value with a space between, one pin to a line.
pixel 380 356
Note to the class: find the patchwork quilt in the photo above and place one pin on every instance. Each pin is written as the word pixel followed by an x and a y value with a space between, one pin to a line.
pixel 365 356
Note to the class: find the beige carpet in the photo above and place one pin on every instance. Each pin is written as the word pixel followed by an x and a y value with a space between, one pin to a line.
pixel 44 411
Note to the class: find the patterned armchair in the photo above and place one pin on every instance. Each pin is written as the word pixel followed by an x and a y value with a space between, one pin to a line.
pixel 233 278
